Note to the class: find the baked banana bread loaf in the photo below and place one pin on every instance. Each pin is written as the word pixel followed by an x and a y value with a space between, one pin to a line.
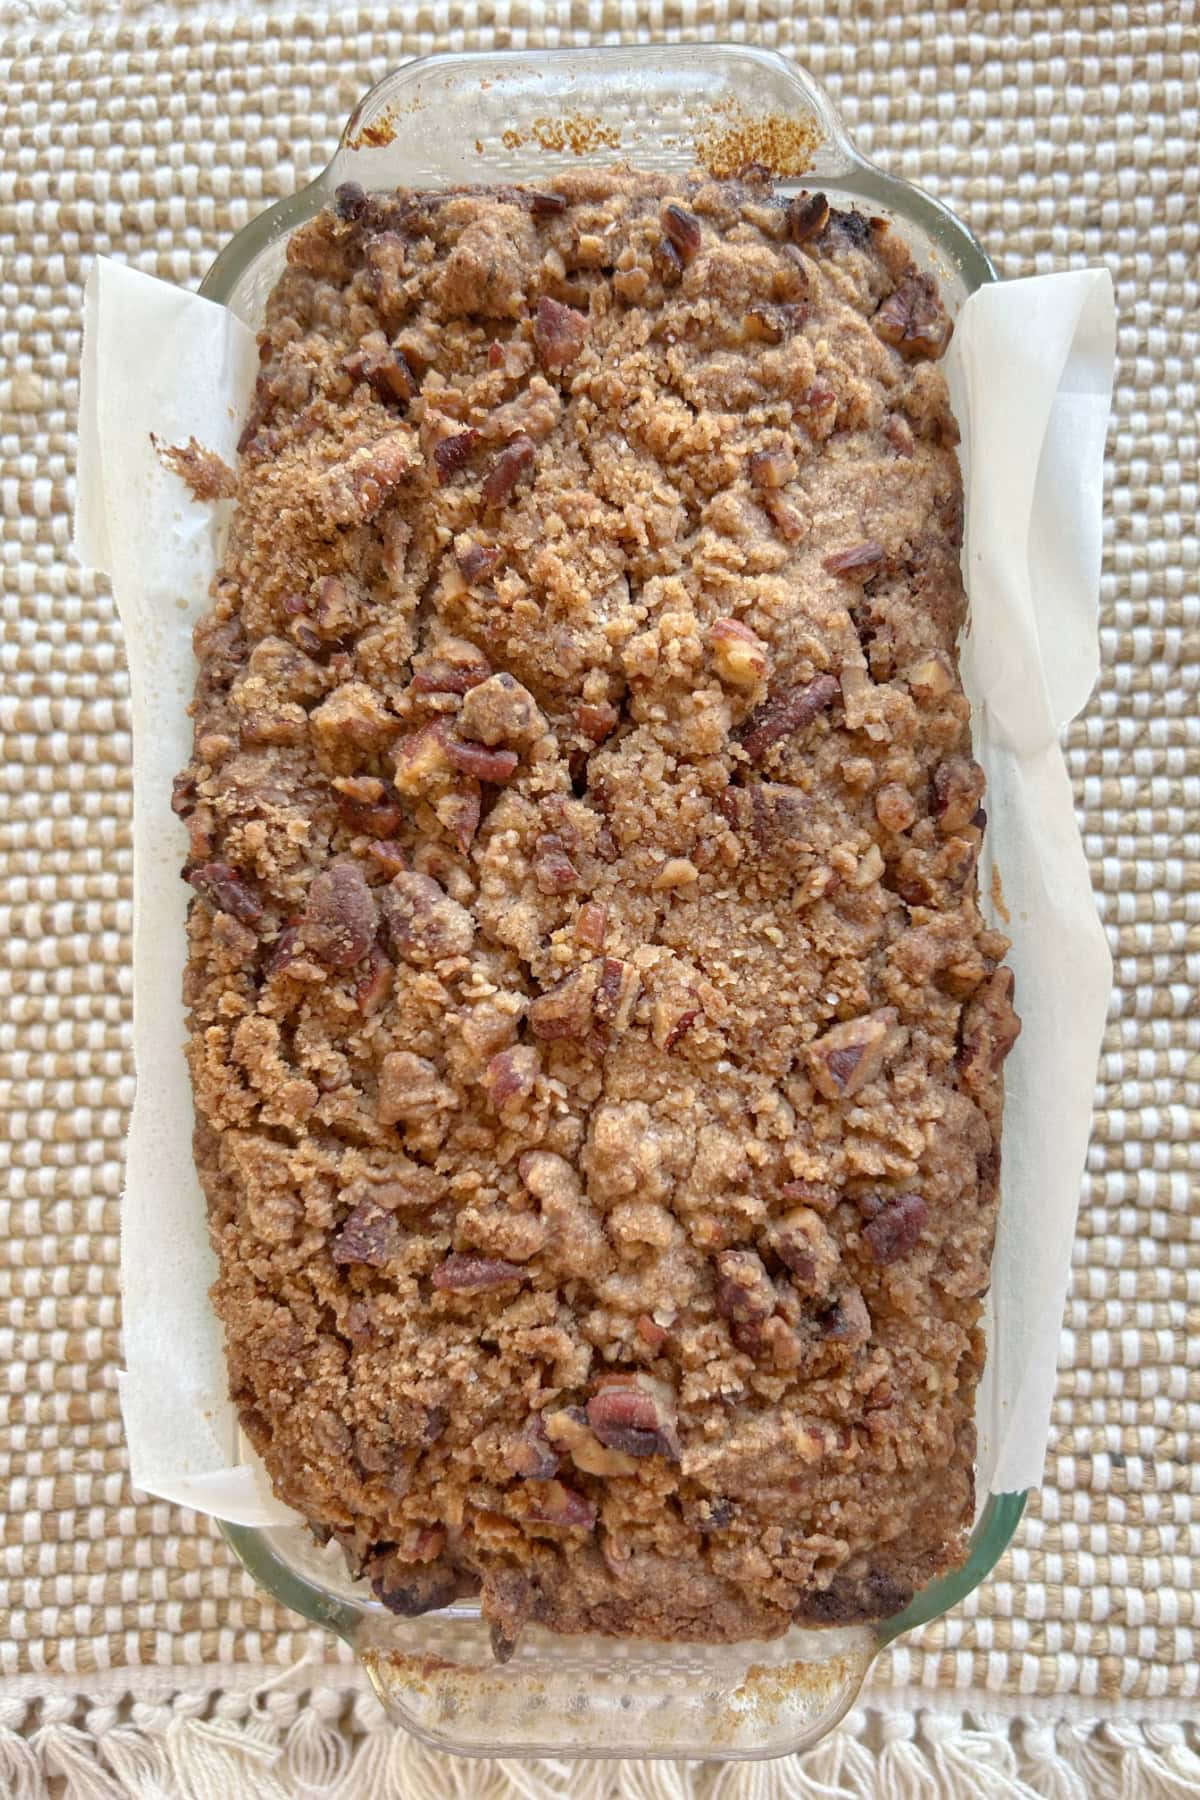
pixel 595 1038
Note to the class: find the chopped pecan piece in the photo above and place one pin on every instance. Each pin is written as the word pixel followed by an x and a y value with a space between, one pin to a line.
pixel 369 1235
pixel 850 1055
pixel 745 1293
pixel 597 720
pixel 424 1588
pixel 459 811
pixel 529 1452
pixel 770 322
pixel 350 201
pixel 478 761
pixel 672 1022
pixel 739 653
pixel 847 1322
pixel 914 321
pixel 683 230
pixel 423 922
pixel 202 835
pixel 410 1089
pixel 898 433
pixel 591 924
pixel 895 1228
pixel 353 491
pixel 635 1415
pixel 451 666
pixel 652 1334
pixel 958 785
pixel 569 1427
pixel 807 216
pixel 476 1275
pixel 895 807
pixel 501 711
pixel 391 377
pixel 226 891
pixel 667 262
pixel 773 467
pixel 475 561
pixel 559 333
pixel 931 679
pixel 784 714
pixel 860 560
pixel 553 1503
pixel 450 454
pixel 802 1242
pixel 286 950
pixel 616 995
pixel 422 760
pixel 507 469
pixel 565 1010
pixel 388 855
pixel 553 870
pixel 820 1195
pixel 511 1077
pixel 375 983
pixel 368 805
pixel 787 519
pixel 676 872
pixel 545 206
pixel 183 795
pixel 340 920
pixel 990 1028
pixel 350 725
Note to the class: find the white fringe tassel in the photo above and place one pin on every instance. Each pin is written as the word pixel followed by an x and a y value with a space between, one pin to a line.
pixel 325 1744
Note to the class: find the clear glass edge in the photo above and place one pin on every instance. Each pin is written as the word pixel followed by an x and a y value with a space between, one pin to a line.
pixel 856 177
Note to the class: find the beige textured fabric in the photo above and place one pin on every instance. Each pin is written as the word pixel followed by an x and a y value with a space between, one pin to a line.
pixel 1064 136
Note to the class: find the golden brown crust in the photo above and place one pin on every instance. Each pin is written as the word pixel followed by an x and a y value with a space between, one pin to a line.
pixel 595 1039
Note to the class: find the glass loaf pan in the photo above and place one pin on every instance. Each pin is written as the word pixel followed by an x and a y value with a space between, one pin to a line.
pixel 520 116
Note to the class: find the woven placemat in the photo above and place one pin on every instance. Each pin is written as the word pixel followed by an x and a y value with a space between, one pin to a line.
pixel 1064 137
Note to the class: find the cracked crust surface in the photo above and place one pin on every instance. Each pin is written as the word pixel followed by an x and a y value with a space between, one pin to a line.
pixel 595 1039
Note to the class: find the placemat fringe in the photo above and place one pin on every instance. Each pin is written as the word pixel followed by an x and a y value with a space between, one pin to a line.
pixel 326 1745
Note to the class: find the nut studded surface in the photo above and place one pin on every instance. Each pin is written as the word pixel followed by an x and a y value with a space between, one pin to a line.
pixel 1064 136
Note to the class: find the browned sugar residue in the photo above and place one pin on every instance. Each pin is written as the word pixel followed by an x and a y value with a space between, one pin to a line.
pixel 204 472
pixel 375 136
pixel 733 138
pixel 997 893
pixel 579 133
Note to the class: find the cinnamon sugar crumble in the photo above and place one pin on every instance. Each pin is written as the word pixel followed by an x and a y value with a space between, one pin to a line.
pixel 596 1043
pixel 206 475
